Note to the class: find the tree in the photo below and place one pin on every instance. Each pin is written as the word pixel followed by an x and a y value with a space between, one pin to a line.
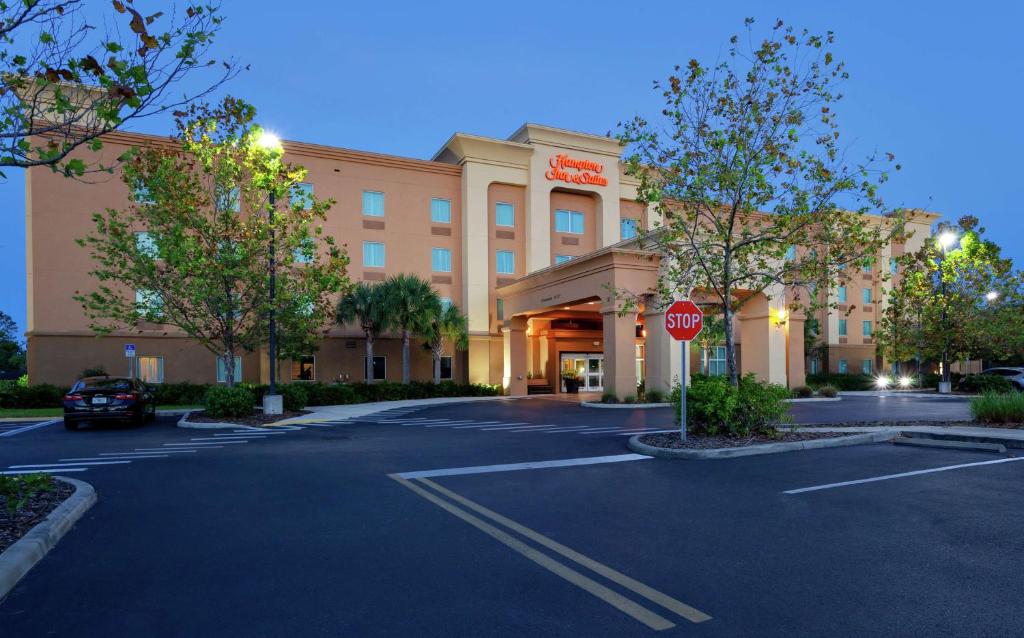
pixel 12 350
pixel 64 83
pixel 364 305
pixel 447 324
pixel 710 336
pixel 192 249
pixel 410 302
pixel 746 171
pixel 981 293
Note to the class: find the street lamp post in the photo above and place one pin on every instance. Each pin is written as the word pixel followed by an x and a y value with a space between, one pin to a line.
pixel 946 241
pixel 272 402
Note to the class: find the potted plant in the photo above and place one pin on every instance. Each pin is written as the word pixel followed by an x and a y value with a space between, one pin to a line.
pixel 572 382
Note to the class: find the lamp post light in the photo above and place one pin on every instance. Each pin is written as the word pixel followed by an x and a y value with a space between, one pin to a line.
pixel 946 240
pixel 991 296
pixel 272 402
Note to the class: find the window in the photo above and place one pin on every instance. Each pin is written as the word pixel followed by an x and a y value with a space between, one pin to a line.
pixel 142 195
pixel 715 362
pixel 628 228
pixel 505 262
pixel 228 199
pixel 865 366
pixel 504 214
pixel 791 253
pixel 146 244
pixel 446 367
pixel 894 266
pixel 841 267
pixel 446 303
pixel 373 203
pixel 842 327
pixel 151 369
pixel 373 254
pixel 441 211
pixel 222 371
pixel 380 368
pixel 568 221
pixel 499 309
pixel 305 253
pixel 866 294
pixel 561 259
pixel 149 304
pixel 868 264
pixel 640 363
pixel 841 293
pixel 815 366
pixel 304 368
pixel 441 259
pixel 867 328
pixel 842 366
pixel 302 196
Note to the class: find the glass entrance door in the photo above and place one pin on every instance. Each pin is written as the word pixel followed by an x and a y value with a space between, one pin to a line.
pixel 589 369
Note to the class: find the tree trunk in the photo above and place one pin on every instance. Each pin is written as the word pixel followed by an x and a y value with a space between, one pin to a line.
pixel 730 344
pixel 368 372
pixel 229 365
pixel 706 367
pixel 405 356
pixel 437 367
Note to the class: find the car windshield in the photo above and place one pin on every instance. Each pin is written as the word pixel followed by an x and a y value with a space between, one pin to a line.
pixel 104 384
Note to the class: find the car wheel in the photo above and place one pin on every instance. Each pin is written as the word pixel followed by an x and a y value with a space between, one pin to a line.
pixel 139 419
pixel 70 425
pixel 152 414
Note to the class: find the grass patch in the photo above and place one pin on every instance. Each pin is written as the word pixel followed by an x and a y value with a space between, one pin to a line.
pixel 993 407
pixel 34 413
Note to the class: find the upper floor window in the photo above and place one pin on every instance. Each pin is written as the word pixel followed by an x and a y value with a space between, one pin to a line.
pixel 841 294
pixel 791 253
pixel 441 259
pixel 628 228
pixel 146 244
pixel 868 264
pixel 228 199
pixel 504 214
pixel 149 303
pixel 866 294
pixel 561 259
pixel 505 262
pixel 304 254
pixel 441 211
pixel 302 196
pixel 373 254
pixel 894 265
pixel 867 329
pixel 373 203
pixel 842 327
pixel 569 221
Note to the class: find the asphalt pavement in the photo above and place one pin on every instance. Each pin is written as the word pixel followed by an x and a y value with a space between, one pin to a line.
pixel 445 522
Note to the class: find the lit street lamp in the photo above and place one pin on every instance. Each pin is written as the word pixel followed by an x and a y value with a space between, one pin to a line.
pixel 991 296
pixel 946 240
pixel 272 403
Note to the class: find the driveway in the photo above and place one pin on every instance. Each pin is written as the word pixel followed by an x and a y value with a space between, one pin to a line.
pixel 388 527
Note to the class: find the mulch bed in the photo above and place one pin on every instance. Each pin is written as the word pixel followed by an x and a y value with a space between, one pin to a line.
pixel 672 441
pixel 256 419
pixel 37 508
pixel 904 424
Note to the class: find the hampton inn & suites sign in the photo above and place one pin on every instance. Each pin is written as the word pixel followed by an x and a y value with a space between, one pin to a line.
pixel 575 171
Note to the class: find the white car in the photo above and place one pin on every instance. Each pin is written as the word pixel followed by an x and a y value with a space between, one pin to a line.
pixel 1013 375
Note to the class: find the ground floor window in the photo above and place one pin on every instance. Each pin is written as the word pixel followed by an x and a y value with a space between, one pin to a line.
pixel 151 369
pixel 842 366
pixel 304 368
pixel 222 370
pixel 446 367
pixel 865 366
pixel 815 366
pixel 380 368
pixel 639 363
pixel 713 360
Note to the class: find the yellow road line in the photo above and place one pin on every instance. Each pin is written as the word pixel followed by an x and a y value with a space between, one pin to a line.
pixel 623 604
pixel 653 595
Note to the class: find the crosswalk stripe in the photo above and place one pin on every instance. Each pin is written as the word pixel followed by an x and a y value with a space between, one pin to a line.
pixel 18 467
pixel 62 470
pixel 127 456
pixel 516 426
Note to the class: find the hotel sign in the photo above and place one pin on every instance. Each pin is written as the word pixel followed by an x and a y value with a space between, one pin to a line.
pixel 575 171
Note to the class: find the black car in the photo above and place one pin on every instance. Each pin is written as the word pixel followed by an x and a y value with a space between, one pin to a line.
pixel 108 399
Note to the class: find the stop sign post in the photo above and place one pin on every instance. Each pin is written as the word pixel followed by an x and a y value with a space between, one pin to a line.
pixel 684 321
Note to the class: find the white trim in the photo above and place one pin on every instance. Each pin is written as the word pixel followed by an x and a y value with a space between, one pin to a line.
pixel 530 465
pixel 901 475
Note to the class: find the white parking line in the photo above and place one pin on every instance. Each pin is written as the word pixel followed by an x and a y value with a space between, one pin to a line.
pixel 515 426
pixel 16 467
pixel 449 424
pixel 61 470
pixel 163 449
pixel 632 432
pixel 34 426
pixel 530 465
pixel 147 451
pixel 573 428
pixel 202 445
pixel 901 475
pixel 478 424
pixel 239 437
pixel 249 432
pixel 104 458
pixel 536 427
pixel 403 420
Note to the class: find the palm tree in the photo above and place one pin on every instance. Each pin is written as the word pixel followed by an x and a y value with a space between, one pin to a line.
pixel 448 324
pixel 410 303
pixel 365 306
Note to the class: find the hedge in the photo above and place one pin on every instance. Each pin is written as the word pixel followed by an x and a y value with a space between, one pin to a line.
pixel 43 395
pixel 983 383
pixel 842 381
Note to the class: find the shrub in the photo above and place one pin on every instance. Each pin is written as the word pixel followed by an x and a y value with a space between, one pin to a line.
pixel 23 381
pixel 994 407
pixel 828 391
pixel 653 396
pixel 180 393
pixel 714 406
pixel 629 399
pixel 842 381
pixel 609 397
pixel 641 391
pixel 17 490
pixel 802 392
pixel 931 380
pixel 43 395
pixel 95 371
pixel 982 383
pixel 222 401
pixel 293 396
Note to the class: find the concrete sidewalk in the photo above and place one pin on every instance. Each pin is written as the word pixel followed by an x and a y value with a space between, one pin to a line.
pixel 358 410
pixel 1010 434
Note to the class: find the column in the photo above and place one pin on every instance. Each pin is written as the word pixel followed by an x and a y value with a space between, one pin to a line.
pixel 619 352
pixel 763 330
pixel 796 373
pixel 664 356
pixel 514 377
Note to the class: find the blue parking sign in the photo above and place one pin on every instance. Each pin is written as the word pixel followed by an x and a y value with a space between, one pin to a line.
pixel 129 350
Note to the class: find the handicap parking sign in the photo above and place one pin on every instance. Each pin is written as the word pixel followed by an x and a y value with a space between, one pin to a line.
pixel 129 350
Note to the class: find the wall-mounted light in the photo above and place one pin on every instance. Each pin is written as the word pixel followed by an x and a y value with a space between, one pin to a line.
pixel 780 317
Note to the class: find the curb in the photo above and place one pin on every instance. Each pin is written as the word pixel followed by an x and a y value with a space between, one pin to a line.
pixel 19 558
pixel 183 422
pixel 624 406
pixel 635 445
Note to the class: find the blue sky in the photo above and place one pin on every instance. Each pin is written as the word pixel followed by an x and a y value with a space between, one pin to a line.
pixel 936 83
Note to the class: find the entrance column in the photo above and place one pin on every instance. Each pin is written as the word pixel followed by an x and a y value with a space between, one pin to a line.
pixel 664 357
pixel 514 377
pixel 619 352
pixel 763 330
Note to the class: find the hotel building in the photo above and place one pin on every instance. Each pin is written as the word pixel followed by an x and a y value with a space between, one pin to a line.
pixel 527 235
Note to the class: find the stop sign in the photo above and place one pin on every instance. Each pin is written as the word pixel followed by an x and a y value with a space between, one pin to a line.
pixel 684 320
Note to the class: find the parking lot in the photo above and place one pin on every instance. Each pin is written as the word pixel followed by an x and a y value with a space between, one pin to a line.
pixel 514 518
